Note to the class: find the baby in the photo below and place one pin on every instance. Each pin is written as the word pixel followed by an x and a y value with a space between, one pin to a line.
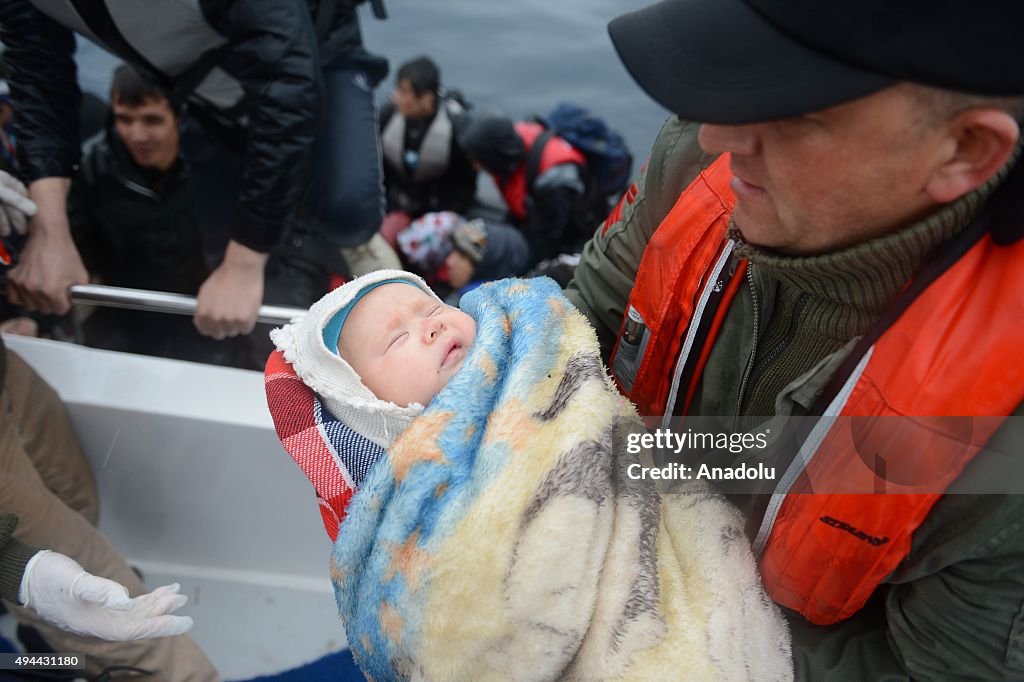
pixel 376 351
pixel 402 341
pixel 478 470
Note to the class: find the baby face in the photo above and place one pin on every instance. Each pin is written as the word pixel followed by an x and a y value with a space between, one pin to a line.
pixel 404 344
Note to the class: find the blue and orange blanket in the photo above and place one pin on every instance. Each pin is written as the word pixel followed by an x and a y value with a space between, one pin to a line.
pixel 501 537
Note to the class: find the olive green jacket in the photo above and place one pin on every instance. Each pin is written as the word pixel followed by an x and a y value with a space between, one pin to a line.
pixel 14 555
pixel 954 608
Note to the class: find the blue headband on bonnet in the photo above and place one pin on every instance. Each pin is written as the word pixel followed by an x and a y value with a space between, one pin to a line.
pixel 332 330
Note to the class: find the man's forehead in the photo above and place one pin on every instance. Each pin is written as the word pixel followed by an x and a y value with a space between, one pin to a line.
pixel 148 104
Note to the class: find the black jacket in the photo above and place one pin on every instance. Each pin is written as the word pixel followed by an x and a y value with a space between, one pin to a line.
pixel 507 254
pixel 264 91
pixel 563 208
pixel 135 228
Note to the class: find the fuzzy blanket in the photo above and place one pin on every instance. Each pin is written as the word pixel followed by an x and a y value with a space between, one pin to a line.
pixel 500 538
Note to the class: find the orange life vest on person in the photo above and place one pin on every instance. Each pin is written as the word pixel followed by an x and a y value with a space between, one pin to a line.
pixel 513 187
pixel 951 361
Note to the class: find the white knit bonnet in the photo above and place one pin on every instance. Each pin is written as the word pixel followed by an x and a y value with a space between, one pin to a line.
pixel 338 385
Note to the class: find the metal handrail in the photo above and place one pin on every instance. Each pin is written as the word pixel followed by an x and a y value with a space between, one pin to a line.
pixel 163 302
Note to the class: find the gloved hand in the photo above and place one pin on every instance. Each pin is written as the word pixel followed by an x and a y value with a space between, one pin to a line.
pixel 15 206
pixel 65 595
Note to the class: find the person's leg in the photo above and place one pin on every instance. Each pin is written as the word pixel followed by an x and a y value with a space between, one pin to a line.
pixel 42 428
pixel 294 277
pixel 346 199
pixel 375 254
pixel 214 180
pixel 295 274
pixel 46 480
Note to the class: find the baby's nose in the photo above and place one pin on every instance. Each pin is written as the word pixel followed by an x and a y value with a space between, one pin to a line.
pixel 432 328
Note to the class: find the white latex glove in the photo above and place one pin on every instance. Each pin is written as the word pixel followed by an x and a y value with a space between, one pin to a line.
pixel 15 206
pixel 65 595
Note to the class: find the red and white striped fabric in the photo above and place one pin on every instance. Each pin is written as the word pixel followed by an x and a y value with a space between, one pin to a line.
pixel 295 410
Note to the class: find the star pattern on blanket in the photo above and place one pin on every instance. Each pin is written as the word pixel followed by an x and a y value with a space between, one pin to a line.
pixel 391 623
pixel 336 571
pixel 408 560
pixel 510 423
pixel 419 443
pixel 367 643
pixel 487 368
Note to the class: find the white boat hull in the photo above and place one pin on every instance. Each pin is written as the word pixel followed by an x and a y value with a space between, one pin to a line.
pixel 196 488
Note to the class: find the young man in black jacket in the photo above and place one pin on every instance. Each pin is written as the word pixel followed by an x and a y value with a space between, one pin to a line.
pixel 134 223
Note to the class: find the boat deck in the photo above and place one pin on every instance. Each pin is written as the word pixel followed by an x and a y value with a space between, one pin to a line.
pixel 195 488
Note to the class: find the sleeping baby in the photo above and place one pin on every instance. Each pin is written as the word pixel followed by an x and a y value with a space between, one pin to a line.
pixel 470 471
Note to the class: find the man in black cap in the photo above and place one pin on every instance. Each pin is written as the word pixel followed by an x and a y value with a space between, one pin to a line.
pixel 846 242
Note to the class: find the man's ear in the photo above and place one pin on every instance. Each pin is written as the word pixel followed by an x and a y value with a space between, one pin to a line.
pixel 980 142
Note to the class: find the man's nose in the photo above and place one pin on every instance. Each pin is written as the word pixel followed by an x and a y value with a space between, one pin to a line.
pixel 742 140
pixel 135 133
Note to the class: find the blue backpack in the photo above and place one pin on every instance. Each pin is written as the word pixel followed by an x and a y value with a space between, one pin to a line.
pixel 608 157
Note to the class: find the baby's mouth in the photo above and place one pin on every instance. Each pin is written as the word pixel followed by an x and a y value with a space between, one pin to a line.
pixel 451 355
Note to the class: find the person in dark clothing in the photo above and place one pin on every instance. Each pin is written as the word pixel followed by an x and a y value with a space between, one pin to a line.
pixel 484 252
pixel 134 223
pixel 262 78
pixel 425 169
pixel 544 181
pixel 8 161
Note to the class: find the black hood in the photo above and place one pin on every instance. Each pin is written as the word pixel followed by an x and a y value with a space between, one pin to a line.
pixel 492 141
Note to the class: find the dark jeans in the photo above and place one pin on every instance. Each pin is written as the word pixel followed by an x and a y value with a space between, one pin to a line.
pixel 343 206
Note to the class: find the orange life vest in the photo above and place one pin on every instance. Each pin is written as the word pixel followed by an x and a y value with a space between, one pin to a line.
pixel 513 187
pixel 951 360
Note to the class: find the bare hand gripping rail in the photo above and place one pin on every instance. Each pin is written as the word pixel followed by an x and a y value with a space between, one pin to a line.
pixel 162 302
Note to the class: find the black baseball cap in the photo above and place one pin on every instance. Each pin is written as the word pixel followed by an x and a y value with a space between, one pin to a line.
pixel 745 61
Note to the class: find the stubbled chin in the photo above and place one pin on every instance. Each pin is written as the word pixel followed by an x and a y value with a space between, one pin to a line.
pixel 754 229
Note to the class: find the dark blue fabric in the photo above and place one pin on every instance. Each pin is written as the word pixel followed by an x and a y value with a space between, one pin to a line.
pixel 608 158
pixel 357 454
pixel 507 254
pixel 346 196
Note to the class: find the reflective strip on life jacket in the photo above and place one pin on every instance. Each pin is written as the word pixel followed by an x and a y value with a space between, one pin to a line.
pixel 675 264
pixel 825 553
pixel 513 188
pixel 930 394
